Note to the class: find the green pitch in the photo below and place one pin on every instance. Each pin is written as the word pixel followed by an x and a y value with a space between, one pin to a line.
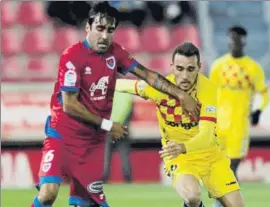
pixel 139 195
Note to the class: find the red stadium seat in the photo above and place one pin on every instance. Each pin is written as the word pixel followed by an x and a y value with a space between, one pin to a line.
pixel 64 38
pixel 184 33
pixel 32 13
pixel 161 63
pixel 8 13
pixel 13 68
pixel 156 39
pixel 41 68
pixel 10 42
pixel 129 38
pixel 37 41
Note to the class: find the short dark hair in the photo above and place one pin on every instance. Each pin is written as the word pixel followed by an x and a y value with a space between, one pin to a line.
pixel 187 49
pixel 238 30
pixel 105 9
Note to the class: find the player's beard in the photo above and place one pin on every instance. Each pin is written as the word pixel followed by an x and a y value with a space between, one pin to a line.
pixel 102 47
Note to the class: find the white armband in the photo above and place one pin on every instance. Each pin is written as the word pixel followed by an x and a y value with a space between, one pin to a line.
pixel 106 125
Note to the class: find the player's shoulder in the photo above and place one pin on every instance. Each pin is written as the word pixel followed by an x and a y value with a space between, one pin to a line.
pixel 220 60
pixel 205 85
pixel 118 50
pixel 116 47
pixel 252 62
pixel 73 49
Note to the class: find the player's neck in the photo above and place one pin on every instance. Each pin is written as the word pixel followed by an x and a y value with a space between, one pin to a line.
pixel 237 54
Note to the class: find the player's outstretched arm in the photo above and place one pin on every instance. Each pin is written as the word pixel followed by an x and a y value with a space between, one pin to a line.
pixel 74 108
pixel 202 140
pixel 136 87
pixel 157 81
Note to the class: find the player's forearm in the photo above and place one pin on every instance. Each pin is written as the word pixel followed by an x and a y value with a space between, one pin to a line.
pixel 80 112
pixel 265 99
pixel 158 82
pixel 203 139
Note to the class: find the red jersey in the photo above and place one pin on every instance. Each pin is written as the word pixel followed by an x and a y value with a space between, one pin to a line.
pixel 93 75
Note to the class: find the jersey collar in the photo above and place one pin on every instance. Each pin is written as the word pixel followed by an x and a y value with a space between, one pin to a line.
pixel 86 44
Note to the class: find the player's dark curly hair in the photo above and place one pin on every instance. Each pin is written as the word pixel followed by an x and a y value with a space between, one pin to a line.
pixel 187 49
pixel 105 10
pixel 238 30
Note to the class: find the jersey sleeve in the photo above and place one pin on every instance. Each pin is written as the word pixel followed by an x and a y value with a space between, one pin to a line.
pixel 259 79
pixel 125 62
pixel 68 72
pixel 260 86
pixel 207 96
pixel 145 91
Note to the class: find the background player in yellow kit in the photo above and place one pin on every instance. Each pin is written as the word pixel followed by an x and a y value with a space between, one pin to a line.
pixel 238 77
pixel 190 149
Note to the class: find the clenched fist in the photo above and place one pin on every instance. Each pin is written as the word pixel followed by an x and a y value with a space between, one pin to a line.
pixel 190 106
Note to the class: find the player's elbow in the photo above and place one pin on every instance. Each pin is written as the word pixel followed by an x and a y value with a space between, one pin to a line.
pixel 70 102
pixel 69 107
pixel 151 77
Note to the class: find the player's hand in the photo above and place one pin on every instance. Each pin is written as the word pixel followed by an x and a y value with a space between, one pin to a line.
pixel 172 150
pixel 190 106
pixel 118 131
pixel 255 117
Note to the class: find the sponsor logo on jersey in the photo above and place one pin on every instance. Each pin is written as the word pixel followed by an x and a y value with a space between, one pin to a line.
pixel 102 85
pixel 95 187
pixel 70 78
pixel 111 62
pixel 88 71
pixel 186 126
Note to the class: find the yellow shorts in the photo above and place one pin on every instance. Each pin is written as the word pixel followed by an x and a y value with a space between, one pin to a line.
pixel 217 176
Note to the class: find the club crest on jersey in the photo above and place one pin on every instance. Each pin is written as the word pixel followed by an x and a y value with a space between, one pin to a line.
pixel 111 62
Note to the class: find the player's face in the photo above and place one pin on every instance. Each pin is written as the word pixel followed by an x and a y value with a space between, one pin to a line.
pixel 236 42
pixel 185 70
pixel 100 33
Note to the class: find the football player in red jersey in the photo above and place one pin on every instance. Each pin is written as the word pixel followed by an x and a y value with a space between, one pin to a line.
pixel 80 110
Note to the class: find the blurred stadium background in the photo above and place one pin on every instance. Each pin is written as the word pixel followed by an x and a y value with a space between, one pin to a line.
pixel 34 33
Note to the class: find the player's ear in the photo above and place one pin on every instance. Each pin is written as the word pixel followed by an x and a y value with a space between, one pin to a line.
pixel 200 65
pixel 171 66
pixel 87 27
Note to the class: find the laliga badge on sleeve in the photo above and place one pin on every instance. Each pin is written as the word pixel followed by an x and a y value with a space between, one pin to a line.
pixel 210 109
pixel 111 62
pixel 70 78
